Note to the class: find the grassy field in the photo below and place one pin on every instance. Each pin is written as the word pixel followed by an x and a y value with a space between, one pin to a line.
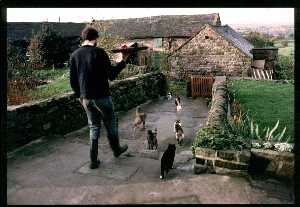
pixel 286 51
pixel 267 102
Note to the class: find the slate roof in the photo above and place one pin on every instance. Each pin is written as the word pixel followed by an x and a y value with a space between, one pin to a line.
pixel 234 37
pixel 24 30
pixel 160 26
pixel 230 35
pixel 132 28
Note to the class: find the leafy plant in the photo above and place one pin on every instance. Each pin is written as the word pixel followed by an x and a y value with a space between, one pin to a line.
pixel 267 134
pixel 219 139
pixel 208 101
pixel 284 68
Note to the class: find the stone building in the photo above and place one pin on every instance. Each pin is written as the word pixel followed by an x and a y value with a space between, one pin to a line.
pixel 215 50
pixel 159 33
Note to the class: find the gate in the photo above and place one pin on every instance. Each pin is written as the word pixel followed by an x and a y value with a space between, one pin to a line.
pixel 201 85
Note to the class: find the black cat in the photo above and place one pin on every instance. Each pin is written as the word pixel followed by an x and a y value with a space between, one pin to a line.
pixel 152 140
pixel 167 160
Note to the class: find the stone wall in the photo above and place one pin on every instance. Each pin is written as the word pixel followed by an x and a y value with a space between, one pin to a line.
pixel 63 114
pixel 209 52
pixel 171 43
pixel 217 114
pixel 220 161
pixel 272 163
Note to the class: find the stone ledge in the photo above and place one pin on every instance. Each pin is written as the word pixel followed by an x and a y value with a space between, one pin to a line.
pixel 229 155
pixel 205 153
pixel 231 165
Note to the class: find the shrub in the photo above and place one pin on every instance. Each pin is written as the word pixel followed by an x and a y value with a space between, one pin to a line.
pixel 260 39
pixel 16 60
pixel 284 68
pixel 219 139
pixel 48 49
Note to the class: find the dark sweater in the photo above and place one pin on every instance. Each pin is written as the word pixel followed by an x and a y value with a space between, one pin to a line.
pixel 90 69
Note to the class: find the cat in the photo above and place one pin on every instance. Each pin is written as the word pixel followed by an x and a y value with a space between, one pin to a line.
pixel 140 118
pixel 167 160
pixel 169 96
pixel 152 140
pixel 177 103
pixel 178 131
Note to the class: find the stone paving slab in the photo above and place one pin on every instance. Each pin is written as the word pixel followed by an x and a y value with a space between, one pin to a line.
pixel 152 154
pixel 117 172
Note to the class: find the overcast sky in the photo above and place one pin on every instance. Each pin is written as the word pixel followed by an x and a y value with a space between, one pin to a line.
pixel 228 15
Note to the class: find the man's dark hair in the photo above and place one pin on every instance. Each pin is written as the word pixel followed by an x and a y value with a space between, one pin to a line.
pixel 89 33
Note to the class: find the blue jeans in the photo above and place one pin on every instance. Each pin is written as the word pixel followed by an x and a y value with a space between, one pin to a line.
pixel 102 109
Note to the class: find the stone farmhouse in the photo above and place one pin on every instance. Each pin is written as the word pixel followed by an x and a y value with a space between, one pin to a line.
pixel 215 50
pixel 195 44
pixel 158 33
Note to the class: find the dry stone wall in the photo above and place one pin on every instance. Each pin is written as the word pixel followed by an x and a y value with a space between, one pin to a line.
pixel 231 162
pixel 63 114
pixel 209 52
pixel 217 115
pixel 272 163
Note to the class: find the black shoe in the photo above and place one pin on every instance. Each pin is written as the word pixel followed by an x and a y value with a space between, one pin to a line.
pixel 94 165
pixel 121 150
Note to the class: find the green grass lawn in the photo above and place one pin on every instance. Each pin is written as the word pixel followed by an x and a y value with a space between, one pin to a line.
pixel 267 102
pixel 59 86
pixel 50 74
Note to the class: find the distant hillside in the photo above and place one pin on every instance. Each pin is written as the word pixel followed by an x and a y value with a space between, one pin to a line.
pixel 274 30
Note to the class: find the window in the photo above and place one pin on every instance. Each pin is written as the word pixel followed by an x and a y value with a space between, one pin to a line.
pixel 157 42
pixel 206 37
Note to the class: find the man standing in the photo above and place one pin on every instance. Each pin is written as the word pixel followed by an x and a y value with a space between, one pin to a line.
pixel 90 69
